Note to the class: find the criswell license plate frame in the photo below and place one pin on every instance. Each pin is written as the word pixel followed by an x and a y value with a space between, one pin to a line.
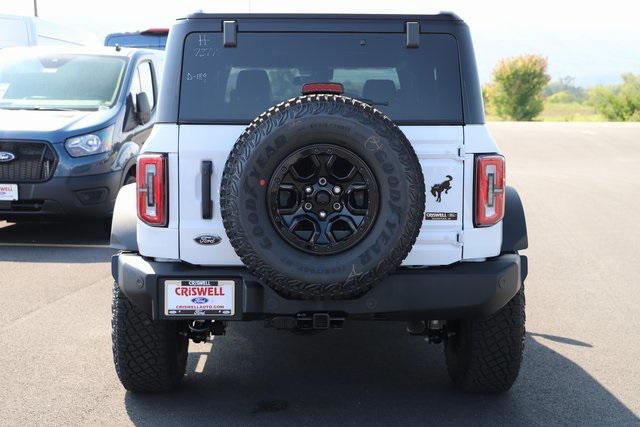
pixel 237 297
pixel 15 190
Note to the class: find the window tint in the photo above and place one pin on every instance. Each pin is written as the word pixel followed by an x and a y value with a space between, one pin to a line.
pixel 234 85
pixel 146 81
pixel 354 79
pixel 282 82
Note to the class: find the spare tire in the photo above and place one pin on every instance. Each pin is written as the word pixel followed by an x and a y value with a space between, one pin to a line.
pixel 322 196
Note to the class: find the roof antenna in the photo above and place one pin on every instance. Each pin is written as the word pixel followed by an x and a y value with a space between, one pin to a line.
pixel 118 48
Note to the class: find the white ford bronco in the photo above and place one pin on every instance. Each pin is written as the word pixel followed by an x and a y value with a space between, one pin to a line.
pixel 307 171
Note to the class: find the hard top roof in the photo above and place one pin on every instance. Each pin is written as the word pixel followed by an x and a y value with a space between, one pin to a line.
pixel 442 16
pixel 441 23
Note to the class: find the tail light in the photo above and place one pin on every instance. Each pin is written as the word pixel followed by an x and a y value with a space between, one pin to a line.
pixel 331 88
pixel 151 174
pixel 490 187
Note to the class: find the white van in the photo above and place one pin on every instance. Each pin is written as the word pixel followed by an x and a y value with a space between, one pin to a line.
pixel 30 31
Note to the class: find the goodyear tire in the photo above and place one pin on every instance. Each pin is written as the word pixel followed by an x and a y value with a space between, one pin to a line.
pixel 322 196
pixel 149 355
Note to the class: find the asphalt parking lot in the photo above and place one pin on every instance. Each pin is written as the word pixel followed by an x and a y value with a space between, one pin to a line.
pixel 579 183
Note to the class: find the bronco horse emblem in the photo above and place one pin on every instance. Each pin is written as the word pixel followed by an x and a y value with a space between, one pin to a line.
pixel 445 186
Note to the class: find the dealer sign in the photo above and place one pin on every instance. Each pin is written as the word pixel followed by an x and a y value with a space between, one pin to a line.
pixel 199 298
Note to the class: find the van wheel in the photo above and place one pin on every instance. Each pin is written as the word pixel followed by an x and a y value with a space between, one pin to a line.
pixel 130 179
pixel 149 355
pixel 484 355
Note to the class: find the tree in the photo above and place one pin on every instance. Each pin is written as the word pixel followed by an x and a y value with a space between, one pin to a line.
pixel 567 85
pixel 562 97
pixel 518 85
pixel 618 102
pixel 487 98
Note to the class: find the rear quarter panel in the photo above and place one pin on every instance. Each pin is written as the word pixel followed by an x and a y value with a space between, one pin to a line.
pixel 483 242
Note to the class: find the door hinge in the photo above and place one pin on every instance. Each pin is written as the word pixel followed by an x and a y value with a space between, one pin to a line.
pixel 413 34
pixel 230 36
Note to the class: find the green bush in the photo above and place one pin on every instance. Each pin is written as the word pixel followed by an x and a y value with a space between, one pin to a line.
pixel 619 102
pixel 487 96
pixel 565 84
pixel 518 85
pixel 561 98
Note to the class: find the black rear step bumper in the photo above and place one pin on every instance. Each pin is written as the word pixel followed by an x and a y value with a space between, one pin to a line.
pixel 463 290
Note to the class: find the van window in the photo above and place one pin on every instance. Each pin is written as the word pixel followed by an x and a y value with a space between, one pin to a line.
pixel 234 85
pixel 146 82
pixel 60 81
pixel 136 87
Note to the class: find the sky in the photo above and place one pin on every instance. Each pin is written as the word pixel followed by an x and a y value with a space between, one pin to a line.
pixel 582 39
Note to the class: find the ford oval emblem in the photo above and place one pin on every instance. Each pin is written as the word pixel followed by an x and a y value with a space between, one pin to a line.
pixel 6 157
pixel 199 300
pixel 208 239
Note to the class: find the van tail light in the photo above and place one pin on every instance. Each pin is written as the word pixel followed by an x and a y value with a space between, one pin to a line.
pixel 151 174
pixel 158 31
pixel 490 189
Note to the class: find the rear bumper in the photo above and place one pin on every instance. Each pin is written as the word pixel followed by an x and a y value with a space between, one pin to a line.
pixel 88 196
pixel 462 290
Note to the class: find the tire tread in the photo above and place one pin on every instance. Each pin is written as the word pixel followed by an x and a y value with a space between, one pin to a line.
pixel 143 349
pixel 491 350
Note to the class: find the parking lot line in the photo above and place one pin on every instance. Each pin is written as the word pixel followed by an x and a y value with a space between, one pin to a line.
pixel 202 360
pixel 53 245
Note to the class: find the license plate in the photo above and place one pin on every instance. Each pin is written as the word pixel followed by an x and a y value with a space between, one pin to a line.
pixel 8 192
pixel 199 297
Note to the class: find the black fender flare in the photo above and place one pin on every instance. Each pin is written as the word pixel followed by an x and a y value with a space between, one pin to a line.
pixel 123 225
pixel 131 164
pixel 514 225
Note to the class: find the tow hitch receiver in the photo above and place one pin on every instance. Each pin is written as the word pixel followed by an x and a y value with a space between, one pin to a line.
pixel 434 331
pixel 200 330
pixel 307 321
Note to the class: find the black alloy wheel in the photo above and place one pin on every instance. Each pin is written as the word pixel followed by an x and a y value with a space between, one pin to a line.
pixel 323 199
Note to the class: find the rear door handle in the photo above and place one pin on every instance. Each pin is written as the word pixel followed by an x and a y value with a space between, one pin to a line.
pixel 206 168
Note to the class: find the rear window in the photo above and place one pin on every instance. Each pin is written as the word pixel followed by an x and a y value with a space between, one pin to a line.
pixel 234 85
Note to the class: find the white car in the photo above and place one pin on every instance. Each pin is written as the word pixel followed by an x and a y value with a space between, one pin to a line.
pixel 309 170
pixel 16 31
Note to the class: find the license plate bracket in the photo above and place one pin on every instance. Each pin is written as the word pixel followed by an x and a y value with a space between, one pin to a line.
pixel 199 298
pixel 8 192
